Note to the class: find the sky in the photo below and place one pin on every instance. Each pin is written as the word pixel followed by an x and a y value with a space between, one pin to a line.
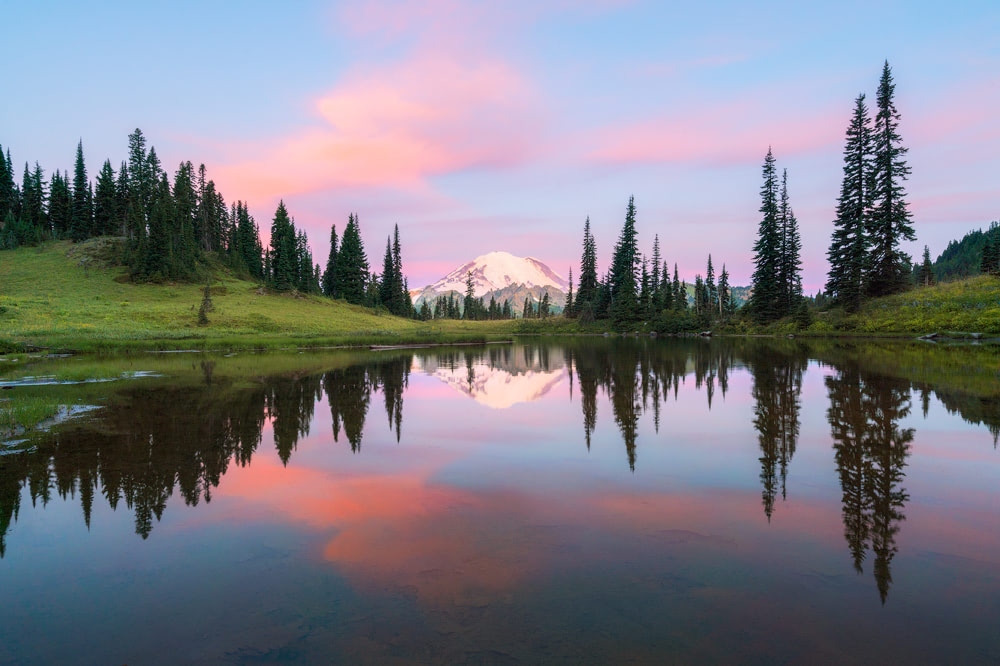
pixel 482 126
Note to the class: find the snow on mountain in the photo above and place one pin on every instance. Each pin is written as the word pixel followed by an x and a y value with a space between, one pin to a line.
pixel 497 270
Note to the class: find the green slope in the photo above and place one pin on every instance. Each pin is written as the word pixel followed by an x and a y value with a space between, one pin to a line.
pixel 62 295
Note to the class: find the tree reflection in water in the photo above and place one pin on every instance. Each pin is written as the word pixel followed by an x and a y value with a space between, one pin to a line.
pixel 148 443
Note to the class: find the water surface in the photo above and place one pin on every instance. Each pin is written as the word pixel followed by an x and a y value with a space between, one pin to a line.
pixel 573 501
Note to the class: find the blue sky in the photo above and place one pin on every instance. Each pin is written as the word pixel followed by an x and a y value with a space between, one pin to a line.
pixel 481 126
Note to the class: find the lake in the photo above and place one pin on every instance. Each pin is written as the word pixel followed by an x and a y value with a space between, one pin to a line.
pixel 578 500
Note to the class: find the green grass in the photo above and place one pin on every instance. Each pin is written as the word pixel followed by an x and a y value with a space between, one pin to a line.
pixel 971 305
pixel 58 296
pixel 26 412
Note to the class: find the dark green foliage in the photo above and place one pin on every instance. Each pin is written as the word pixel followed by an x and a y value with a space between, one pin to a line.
pixel 623 281
pixel 351 276
pixel 82 213
pixel 789 265
pixel 889 223
pixel 284 264
pixel 105 202
pixel 329 275
pixel 712 292
pixel 726 303
pixel 206 305
pixel 765 303
pixel 60 203
pixel 568 306
pixel 848 253
pixel 680 293
pixel 587 292
pixel 925 274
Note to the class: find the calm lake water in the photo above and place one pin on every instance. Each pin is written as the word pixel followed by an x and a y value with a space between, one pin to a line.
pixel 578 500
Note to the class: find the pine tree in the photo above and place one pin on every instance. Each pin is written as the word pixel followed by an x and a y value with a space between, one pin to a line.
pixel 388 286
pixel 645 295
pixel 680 293
pixel 399 299
pixel 725 297
pixel 529 309
pixel 925 275
pixel 624 290
pixel 848 253
pixel 889 223
pixel 283 263
pixel 655 289
pixel 184 246
pixel 543 306
pixel 329 275
pixel 765 299
pixel 8 189
pixel 352 264
pixel 587 290
pixel 568 310
pixel 666 290
pixel 60 202
pixel 105 201
pixel 789 265
pixel 711 292
pixel 81 217
pixel 155 260
pixel 990 256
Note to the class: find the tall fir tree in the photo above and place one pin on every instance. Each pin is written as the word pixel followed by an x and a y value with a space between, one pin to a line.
pixel 889 223
pixel 283 261
pixel 925 275
pixel 765 301
pixel 790 264
pixel 725 295
pixel 711 291
pixel 82 215
pixel 568 308
pixel 105 201
pixel 586 291
pixel 352 264
pixel 624 261
pixel 329 275
pixel 388 283
pixel 848 253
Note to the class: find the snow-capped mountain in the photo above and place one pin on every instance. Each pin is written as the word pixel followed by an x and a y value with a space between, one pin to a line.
pixel 502 276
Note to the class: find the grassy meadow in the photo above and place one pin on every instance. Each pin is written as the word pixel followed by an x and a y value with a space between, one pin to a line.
pixel 65 296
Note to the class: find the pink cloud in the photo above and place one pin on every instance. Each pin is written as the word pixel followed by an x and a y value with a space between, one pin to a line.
pixel 396 126
pixel 725 134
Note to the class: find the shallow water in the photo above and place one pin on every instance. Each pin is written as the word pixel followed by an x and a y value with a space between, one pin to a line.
pixel 575 500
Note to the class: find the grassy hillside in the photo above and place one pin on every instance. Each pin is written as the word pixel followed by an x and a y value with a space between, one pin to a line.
pixel 62 295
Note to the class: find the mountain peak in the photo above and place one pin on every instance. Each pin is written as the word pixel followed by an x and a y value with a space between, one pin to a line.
pixel 497 270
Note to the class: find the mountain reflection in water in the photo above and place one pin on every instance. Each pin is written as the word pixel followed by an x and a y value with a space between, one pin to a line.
pixel 423 526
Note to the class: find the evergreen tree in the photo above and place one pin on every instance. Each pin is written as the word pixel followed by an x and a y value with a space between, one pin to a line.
pixel 352 264
pixel 624 290
pixel 655 289
pixel 155 260
pixel 329 275
pixel 790 265
pixel 82 215
pixel 925 276
pixel 105 202
pixel 666 290
pixel 848 253
pixel 529 309
pixel 283 264
pixel 60 202
pixel 765 301
pixel 889 223
pixel 725 297
pixel 991 255
pixel 645 294
pixel 711 292
pixel 399 302
pixel 587 290
pixel 184 246
pixel 388 285
pixel 8 189
pixel 543 306
pixel 568 307
pixel 680 293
